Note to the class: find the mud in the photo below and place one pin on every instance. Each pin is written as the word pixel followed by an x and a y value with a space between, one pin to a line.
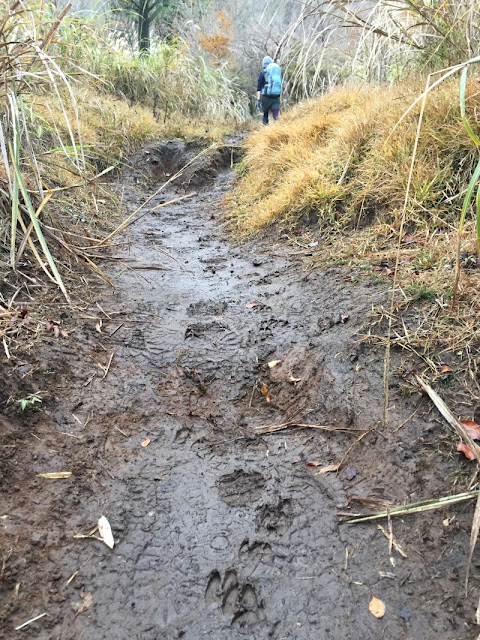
pixel 220 533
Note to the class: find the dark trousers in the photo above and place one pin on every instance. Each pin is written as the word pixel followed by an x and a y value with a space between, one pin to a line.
pixel 270 103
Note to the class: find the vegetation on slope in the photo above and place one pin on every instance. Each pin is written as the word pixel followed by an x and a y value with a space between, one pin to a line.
pixel 345 159
pixel 336 170
pixel 75 102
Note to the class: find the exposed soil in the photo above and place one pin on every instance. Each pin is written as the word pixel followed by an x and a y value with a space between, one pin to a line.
pixel 220 533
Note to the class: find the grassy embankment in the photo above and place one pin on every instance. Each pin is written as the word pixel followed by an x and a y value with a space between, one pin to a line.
pixel 343 161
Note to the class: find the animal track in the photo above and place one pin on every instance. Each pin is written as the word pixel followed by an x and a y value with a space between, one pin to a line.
pixel 257 552
pixel 238 601
pixel 240 488
pixel 207 308
pixel 275 517
pixel 199 329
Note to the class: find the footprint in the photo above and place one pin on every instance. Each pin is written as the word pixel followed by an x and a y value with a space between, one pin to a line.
pixel 214 587
pixel 256 552
pixel 241 488
pixel 275 517
pixel 238 602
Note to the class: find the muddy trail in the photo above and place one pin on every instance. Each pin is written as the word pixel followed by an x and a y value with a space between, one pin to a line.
pixel 220 533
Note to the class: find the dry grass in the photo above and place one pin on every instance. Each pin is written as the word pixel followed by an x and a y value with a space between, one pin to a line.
pixel 62 128
pixel 337 158
pixel 341 160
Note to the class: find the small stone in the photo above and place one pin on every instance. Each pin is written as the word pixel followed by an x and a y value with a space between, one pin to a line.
pixel 405 613
pixel 350 473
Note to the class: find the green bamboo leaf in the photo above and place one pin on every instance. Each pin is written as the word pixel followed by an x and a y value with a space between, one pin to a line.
pixel 36 225
pixel 14 220
pixel 463 87
pixel 468 197
pixel 478 220
pixel 15 190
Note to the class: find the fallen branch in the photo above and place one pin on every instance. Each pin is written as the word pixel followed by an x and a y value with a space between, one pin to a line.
pixel 417 507
pixel 464 435
pixel 266 429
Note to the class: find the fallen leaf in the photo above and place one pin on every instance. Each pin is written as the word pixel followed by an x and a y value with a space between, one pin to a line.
pixel 293 380
pixel 313 463
pixel 376 607
pixel 464 448
pixel 105 532
pixel 268 399
pixel 264 389
pixel 446 369
pixel 83 605
pixel 146 442
pixel 328 468
pixel 56 475
pixel 473 428
pixel 255 303
pixel 273 363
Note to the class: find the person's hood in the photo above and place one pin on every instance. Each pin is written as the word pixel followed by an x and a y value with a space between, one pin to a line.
pixel 266 61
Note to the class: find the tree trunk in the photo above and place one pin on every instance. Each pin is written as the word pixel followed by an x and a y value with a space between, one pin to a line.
pixel 144 23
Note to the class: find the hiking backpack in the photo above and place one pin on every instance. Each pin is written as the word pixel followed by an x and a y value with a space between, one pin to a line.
pixel 273 80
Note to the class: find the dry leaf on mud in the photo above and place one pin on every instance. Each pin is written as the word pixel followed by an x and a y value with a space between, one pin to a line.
pixel 376 607
pixel 146 442
pixel 446 369
pixel 273 363
pixel 328 469
pixel 255 303
pixel 464 448
pixel 313 463
pixel 105 532
pixel 473 428
pixel 474 432
pixel 264 389
pixel 56 475
pixel 85 603
pixel 293 380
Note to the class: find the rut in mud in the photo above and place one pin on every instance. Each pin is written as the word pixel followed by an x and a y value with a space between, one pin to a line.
pixel 221 534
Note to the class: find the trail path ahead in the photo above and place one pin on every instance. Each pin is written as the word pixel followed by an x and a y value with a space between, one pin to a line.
pixel 221 534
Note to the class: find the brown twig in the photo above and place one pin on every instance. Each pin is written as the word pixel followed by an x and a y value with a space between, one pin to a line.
pixel 266 429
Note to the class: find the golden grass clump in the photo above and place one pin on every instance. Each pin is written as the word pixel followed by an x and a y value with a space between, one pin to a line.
pixel 343 159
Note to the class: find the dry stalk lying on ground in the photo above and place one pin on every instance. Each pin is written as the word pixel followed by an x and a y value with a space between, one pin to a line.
pixel 266 429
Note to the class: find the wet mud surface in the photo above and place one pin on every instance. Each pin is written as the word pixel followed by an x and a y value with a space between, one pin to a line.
pixel 220 533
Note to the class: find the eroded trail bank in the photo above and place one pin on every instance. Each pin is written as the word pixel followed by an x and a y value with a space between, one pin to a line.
pixel 220 533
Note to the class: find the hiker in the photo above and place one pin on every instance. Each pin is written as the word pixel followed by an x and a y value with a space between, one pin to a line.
pixel 269 89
